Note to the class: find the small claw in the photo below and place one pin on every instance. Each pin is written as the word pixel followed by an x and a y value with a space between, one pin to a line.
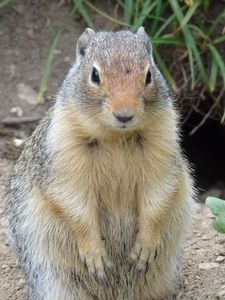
pixel 83 260
pixel 94 274
pixel 100 279
pixel 147 266
pixel 140 259
pixel 133 259
pixel 103 281
pixel 137 272
pixel 130 264
pixel 112 269
pixel 142 269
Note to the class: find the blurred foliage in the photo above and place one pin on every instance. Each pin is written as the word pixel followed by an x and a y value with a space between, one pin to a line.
pixel 182 25
pixel 217 207
pixel 186 28
pixel 4 3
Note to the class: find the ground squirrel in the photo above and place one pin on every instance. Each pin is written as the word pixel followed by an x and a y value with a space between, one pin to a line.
pixel 101 196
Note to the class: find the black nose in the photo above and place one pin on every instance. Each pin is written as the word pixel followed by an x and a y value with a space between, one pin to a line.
pixel 123 119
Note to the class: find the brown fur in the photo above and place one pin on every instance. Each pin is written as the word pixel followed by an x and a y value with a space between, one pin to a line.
pixel 104 214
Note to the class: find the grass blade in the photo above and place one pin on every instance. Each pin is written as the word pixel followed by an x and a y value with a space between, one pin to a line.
pixel 158 13
pixel 105 15
pixel 144 14
pixel 219 39
pixel 166 41
pixel 189 14
pixel 191 63
pixel 164 69
pixel 128 10
pixel 223 117
pixel 136 10
pixel 4 3
pixel 49 60
pixel 217 21
pixel 189 39
pixel 199 31
pixel 83 12
pixel 164 25
pixel 205 5
pixel 48 66
pixel 219 60
pixel 213 75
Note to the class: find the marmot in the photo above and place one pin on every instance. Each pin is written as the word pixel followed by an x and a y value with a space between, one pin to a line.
pixel 101 196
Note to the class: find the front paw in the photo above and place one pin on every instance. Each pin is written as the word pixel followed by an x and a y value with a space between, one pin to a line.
pixel 141 256
pixel 98 263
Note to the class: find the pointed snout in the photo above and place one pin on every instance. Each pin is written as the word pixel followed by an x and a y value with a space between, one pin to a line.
pixel 125 108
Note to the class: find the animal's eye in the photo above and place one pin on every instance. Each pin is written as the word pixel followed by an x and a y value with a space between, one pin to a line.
pixel 95 78
pixel 148 78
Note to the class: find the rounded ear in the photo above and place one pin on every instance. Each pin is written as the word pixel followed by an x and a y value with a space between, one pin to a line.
pixel 143 36
pixel 84 40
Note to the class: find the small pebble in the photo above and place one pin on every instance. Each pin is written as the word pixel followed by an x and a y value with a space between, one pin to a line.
pixel 3 267
pixel 220 258
pixel 221 294
pixel 5 286
pixel 21 282
pixel 208 266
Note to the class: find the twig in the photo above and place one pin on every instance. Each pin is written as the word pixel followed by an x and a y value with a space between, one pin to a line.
pixel 187 117
pixel 22 120
pixel 203 120
pixel 209 113
pixel 105 15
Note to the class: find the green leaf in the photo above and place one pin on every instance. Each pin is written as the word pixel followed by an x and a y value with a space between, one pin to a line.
pixel 82 10
pixel 189 40
pixel 223 117
pixel 164 69
pixel 146 9
pixel 165 25
pixel 189 13
pixel 136 10
pixel 128 10
pixel 217 21
pixel 217 207
pixel 218 60
pixel 219 39
pixel 158 12
pixel 103 14
pixel 199 31
pixel 213 75
pixel 191 63
pixel 4 3
pixel 205 5
pixel 166 41
pixel 49 60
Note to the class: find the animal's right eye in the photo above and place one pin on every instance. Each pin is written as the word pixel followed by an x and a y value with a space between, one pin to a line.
pixel 95 78
pixel 148 78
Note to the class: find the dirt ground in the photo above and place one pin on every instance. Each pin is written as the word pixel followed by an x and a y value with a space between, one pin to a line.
pixel 25 33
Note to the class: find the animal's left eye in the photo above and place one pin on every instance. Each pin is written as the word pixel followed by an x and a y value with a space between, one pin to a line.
pixel 148 78
pixel 95 78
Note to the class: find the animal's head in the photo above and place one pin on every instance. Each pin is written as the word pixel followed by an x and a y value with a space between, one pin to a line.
pixel 116 84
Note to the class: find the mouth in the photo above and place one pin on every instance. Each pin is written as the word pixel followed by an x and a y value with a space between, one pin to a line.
pixel 123 127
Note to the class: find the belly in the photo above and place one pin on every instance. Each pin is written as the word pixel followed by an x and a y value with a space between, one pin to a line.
pixel 118 221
